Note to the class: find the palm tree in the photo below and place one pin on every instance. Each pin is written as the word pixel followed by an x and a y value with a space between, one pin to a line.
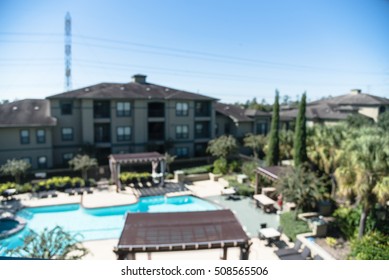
pixel 301 186
pixel 83 163
pixel 15 168
pixel 364 170
pixel 255 142
pixel 169 160
pixel 55 244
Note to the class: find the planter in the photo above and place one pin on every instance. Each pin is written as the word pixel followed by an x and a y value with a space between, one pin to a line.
pixel 214 177
pixel 197 177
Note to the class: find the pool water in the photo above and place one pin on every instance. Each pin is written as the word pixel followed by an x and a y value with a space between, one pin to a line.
pixel 99 223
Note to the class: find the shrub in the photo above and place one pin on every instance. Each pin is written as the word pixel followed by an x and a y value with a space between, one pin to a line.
pixel 220 166
pixel 248 168
pixel 78 182
pixel 198 170
pixel 234 166
pixel 241 189
pixel 347 220
pixel 291 226
pixel 373 246
pixel 27 187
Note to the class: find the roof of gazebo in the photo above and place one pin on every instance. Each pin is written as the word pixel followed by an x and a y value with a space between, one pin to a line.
pixel 273 172
pixel 178 231
pixel 136 157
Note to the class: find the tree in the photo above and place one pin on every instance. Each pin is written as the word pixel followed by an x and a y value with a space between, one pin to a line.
pixel 383 121
pixel 358 121
pixel 373 246
pixel 300 135
pixel 255 142
pixel 364 170
pixel 273 152
pixel 54 244
pixel 169 160
pixel 83 163
pixel 223 146
pixel 15 168
pixel 301 186
pixel 286 144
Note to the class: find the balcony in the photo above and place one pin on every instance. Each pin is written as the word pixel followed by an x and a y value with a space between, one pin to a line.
pixel 101 109
pixel 156 131
pixel 102 133
pixel 156 110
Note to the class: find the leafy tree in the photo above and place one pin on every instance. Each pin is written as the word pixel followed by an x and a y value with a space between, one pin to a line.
pixel 255 142
pixel 223 146
pixel 383 121
pixel 54 244
pixel 364 170
pixel 301 186
pixel 83 163
pixel 373 246
pixel 15 168
pixel 358 121
pixel 286 144
pixel 273 153
pixel 300 145
pixel 169 160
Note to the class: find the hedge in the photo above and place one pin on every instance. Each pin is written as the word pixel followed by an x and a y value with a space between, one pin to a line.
pixel 198 170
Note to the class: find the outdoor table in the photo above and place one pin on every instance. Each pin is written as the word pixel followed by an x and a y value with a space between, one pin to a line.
pixel 9 193
pixel 270 234
pixel 264 201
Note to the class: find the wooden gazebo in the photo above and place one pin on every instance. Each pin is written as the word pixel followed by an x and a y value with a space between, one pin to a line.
pixel 116 160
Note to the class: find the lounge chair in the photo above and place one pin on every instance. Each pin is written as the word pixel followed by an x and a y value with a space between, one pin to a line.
pixel 303 256
pixel 289 251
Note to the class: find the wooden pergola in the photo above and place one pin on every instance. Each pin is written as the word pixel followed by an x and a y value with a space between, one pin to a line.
pixel 272 173
pixel 116 160
pixel 181 231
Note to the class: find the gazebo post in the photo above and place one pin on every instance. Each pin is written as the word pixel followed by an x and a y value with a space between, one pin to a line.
pixel 162 167
pixel 224 257
pixel 256 181
pixel 117 177
pixel 245 251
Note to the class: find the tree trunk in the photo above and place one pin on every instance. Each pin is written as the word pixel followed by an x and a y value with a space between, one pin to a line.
pixel 17 179
pixel 334 186
pixel 84 174
pixel 362 222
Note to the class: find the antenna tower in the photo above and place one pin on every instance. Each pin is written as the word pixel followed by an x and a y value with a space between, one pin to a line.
pixel 68 52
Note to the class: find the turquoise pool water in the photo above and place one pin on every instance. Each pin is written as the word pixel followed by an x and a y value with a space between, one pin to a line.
pixel 100 223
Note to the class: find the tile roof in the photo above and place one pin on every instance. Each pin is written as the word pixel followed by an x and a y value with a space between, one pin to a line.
pixel 26 113
pixel 354 99
pixel 132 90
pixel 234 112
pixel 318 111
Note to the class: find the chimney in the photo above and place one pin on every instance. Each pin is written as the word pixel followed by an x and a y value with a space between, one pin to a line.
pixel 355 91
pixel 139 78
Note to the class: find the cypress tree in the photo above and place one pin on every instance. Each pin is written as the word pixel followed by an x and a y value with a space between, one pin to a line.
pixel 300 134
pixel 273 153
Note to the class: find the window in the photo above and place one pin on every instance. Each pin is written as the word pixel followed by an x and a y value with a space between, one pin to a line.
pixel 102 133
pixel 66 157
pixel 40 136
pixel 123 133
pixel 66 107
pixel 24 136
pixel 42 162
pixel 156 110
pixel 101 109
pixel 26 159
pixel 182 109
pixel 67 134
pixel 202 130
pixel 182 152
pixel 202 109
pixel 123 109
pixel 182 132
pixel 262 128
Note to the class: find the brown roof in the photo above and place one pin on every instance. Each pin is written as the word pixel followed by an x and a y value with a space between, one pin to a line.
pixel 26 113
pixel 137 157
pixel 273 172
pixel 132 90
pixel 234 112
pixel 181 230
pixel 318 111
pixel 356 98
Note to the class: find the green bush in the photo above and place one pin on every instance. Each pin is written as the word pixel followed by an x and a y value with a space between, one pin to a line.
pixel 234 166
pixel 127 177
pixel 25 188
pixel 220 166
pixel 78 182
pixel 373 246
pixel 291 226
pixel 241 189
pixel 347 220
pixel 6 186
pixel 198 170
pixel 248 168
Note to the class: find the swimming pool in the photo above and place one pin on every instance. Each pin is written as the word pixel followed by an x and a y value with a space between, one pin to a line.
pixel 100 223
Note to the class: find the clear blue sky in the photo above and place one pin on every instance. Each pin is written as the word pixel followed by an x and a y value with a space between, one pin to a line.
pixel 231 50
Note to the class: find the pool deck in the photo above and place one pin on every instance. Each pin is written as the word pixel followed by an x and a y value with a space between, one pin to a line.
pixel 107 196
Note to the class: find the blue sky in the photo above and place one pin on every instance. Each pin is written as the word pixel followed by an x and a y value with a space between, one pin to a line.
pixel 231 50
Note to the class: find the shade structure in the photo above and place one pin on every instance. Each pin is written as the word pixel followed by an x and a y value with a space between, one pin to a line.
pixel 178 231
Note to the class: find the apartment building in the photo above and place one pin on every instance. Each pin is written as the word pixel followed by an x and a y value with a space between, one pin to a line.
pixel 26 128
pixel 132 117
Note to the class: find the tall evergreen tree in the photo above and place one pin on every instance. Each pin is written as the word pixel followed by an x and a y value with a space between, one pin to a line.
pixel 273 152
pixel 300 135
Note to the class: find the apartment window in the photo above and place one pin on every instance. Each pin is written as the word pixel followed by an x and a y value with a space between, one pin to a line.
pixel 42 162
pixel 156 110
pixel 101 109
pixel 123 133
pixel 66 157
pixel 200 149
pixel 123 109
pixel 24 136
pixel 26 159
pixel 102 133
pixel 182 109
pixel 67 134
pixel 182 132
pixel 202 130
pixel 202 109
pixel 262 128
pixel 182 152
pixel 66 107
pixel 40 136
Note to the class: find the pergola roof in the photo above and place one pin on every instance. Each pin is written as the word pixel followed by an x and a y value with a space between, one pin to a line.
pixel 150 232
pixel 137 157
pixel 272 172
